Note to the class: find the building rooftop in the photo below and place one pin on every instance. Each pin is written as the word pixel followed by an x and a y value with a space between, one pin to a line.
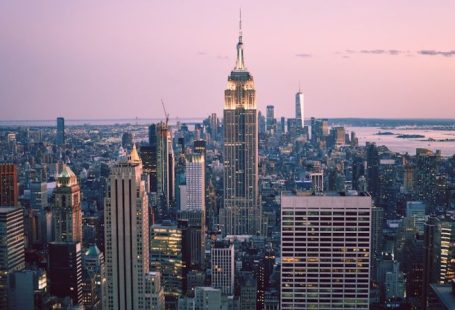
pixel 445 294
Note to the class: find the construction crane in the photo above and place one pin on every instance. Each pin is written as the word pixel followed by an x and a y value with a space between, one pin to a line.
pixel 165 112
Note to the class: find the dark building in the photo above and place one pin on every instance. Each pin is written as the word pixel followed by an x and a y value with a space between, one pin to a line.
pixel 373 170
pixel 127 140
pixel 8 185
pixel 60 139
pixel 148 157
pixel 65 270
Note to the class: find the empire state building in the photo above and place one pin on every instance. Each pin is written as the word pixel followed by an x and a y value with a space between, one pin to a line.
pixel 240 213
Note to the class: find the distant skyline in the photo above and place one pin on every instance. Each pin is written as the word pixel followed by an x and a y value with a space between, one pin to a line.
pixel 113 60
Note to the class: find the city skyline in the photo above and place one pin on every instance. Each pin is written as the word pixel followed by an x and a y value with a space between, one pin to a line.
pixel 114 61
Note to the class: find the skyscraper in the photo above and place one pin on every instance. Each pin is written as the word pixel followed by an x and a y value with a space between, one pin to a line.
pixel 65 270
pixel 299 116
pixel 240 214
pixel 325 244
pixel 12 243
pixel 60 138
pixel 270 118
pixel 67 207
pixel 126 225
pixel 223 269
pixel 8 185
pixel 166 257
pixel 195 182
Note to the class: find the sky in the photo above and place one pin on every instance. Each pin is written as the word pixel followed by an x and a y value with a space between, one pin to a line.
pixel 117 59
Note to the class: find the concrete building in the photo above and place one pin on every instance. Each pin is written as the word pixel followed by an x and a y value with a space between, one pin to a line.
pixel 66 211
pixel 223 269
pixel 154 292
pixel 126 227
pixel 12 244
pixel 325 248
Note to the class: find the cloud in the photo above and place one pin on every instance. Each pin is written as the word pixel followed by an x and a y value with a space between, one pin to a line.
pixel 303 55
pixel 220 57
pixel 437 53
pixel 201 53
pixel 382 52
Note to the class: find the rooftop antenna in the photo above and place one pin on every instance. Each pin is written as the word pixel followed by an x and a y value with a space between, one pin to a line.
pixel 240 26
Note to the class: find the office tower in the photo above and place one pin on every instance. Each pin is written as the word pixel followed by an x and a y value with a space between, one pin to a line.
pixel 325 244
pixel 60 139
pixel 154 292
pixel 127 140
pixel 8 185
pixel 148 157
pixel 283 125
pixel 93 264
pixel 195 182
pixel 373 170
pixel 425 177
pixel 164 179
pixel 358 170
pixel 207 298
pixel 12 244
pixel 338 136
pixel 67 207
pixel 261 123
pixel 223 269
pixel 417 210
pixel 199 146
pixel 65 270
pixel 167 258
pixel 195 231
pixel 377 217
pixel 270 118
pixel 213 125
pixel 388 186
pixel 25 288
pixel 240 214
pixel 299 116
pixel 394 282
pixel 319 130
pixel 126 227
pixel 317 182
pixel 248 291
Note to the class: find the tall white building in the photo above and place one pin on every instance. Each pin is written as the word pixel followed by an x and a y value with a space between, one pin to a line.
pixel 195 182
pixel 325 243
pixel 126 225
pixel 299 116
pixel 222 261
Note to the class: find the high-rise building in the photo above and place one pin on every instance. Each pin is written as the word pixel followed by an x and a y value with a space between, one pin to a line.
pixel 241 212
pixel 67 207
pixel 65 270
pixel 270 118
pixel 195 182
pixel 127 140
pixel 93 263
pixel 126 226
pixel 325 244
pixel 8 185
pixel 60 139
pixel 25 288
pixel 163 180
pixel 207 298
pixel 154 292
pixel 12 244
pixel 223 269
pixel 167 258
pixel 299 115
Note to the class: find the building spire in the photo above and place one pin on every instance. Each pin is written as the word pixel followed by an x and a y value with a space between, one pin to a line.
pixel 240 65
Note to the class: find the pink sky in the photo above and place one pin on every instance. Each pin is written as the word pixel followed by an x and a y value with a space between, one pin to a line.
pixel 110 59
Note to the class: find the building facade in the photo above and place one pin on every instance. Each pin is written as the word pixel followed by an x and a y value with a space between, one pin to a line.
pixel 241 213
pixel 325 251
pixel 126 226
